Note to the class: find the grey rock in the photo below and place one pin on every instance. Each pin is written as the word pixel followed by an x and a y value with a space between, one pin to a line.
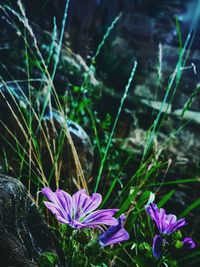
pixel 13 100
pixel 146 32
pixel 81 141
pixel 24 235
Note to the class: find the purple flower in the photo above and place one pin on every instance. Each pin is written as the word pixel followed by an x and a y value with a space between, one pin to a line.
pixel 157 246
pixel 188 243
pixel 78 210
pixel 166 224
pixel 114 234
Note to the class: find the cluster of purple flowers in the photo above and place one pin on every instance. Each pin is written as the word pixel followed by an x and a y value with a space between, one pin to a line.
pixel 166 225
pixel 80 211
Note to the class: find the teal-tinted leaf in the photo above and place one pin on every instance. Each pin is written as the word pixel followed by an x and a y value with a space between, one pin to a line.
pixel 165 198
pixel 194 205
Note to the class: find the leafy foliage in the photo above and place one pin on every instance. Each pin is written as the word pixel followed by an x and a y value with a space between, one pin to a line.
pixel 123 183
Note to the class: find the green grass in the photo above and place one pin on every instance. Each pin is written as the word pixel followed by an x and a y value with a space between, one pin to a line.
pixel 140 186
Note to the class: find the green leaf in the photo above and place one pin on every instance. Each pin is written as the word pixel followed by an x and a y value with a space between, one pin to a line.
pixel 166 198
pixel 194 205
pixel 48 259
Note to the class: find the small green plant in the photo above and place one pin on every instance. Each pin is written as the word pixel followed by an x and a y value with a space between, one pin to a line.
pixel 48 259
pixel 34 153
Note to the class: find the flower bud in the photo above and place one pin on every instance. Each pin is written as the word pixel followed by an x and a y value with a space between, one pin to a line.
pixel 178 244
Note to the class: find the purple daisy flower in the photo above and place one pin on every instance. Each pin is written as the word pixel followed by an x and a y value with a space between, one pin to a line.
pixel 167 225
pixel 78 210
pixel 114 234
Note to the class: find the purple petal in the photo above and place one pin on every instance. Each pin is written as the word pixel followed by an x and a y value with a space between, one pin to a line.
pixel 52 207
pixel 155 214
pixel 91 204
pixel 56 205
pixel 114 234
pixel 76 224
pixel 169 221
pixel 178 224
pixel 157 247
pixel 84 204
pixel 66 201
pixel 118 237
pixel 78 199
pixel 56 211
pixel 100 217
pixel 188 243
pixel 48 193
pixel 161 220
pixel 121 219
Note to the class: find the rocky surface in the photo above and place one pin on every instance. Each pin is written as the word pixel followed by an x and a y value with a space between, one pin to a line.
pixel 13 102
pixel 24 235
pixel 81 141
pixel 146 32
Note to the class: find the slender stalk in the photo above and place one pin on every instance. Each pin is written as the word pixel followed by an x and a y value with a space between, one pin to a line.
pixel 114 126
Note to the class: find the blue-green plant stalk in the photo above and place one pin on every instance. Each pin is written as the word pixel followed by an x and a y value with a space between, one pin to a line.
pixel 114 126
